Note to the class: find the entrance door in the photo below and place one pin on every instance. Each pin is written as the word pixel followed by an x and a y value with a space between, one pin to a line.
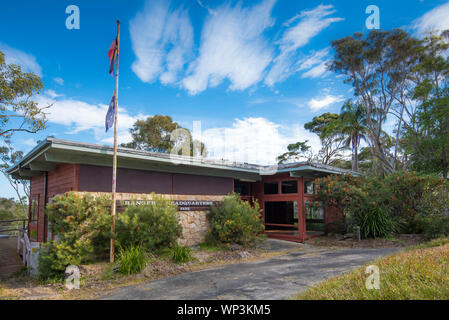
pixel 281 219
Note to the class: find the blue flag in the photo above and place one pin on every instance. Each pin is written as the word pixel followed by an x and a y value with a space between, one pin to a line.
pixel 111 114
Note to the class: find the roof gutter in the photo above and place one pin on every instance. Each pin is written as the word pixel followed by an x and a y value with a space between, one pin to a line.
pixel 33 154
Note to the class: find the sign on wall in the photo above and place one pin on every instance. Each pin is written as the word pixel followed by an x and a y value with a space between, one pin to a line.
pixel 183 205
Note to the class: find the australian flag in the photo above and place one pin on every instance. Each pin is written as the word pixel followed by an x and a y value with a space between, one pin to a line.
pixel 111 114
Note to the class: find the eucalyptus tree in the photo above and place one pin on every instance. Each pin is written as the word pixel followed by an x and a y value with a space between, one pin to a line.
pixel 378 67
pixel 426 140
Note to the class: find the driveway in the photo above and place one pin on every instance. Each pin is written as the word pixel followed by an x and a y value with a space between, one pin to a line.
pixel 276 278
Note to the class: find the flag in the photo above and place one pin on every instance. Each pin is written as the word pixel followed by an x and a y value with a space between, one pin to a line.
pixel 111 113
pixel 112 54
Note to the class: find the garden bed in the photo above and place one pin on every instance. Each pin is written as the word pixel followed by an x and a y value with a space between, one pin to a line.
pixel 401 240
pixel 98 279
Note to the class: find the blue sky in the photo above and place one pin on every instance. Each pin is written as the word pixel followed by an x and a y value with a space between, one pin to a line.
pixel 253 72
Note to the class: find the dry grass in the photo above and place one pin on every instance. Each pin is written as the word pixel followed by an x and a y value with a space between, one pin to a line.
pixel 421 273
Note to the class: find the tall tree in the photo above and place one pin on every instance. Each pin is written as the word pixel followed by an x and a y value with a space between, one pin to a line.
pixel 352 127
pixel 161 134
pixel 427 140
pixel 296 152
pixel 17 89
pixel 378 66
pixel 332 145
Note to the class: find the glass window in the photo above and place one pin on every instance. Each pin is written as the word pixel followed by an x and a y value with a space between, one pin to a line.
pixel 289 186
pixel 242 188
pixel 271 188
pixel 34 209
pixel 314 211
pixel 308 187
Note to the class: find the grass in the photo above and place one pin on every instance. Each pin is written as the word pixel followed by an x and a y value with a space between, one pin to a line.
pixel 420 273
pixel 181 254
pixel 132 260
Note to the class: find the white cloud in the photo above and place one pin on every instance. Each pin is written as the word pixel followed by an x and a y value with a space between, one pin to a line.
pixel 317 104
pixel 316 72
pixel 434 20
pixel 232 47
pixel 52 94
pixel 59 81
pixel 299 31
pixel 254 140
pixel 79 116
pixel 162 40
pixel 27 61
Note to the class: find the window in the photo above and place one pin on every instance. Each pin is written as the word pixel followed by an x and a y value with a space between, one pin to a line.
pixel 34 208
pixel 242 188
pixel 289 187
pixel 271 188
pixel 314 211
pixel 308 187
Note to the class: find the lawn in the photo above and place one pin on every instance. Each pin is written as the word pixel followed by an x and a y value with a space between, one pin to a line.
pixel 420 273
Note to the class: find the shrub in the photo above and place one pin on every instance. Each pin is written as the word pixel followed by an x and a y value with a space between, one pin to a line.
pixel 81 217
pixel 181 254
pixel 376 223
pixel 81 224
pixel 436 226
pixel 154 225
pixel 55 257
pixel 235 221
pixel 131 260
pixel 399 197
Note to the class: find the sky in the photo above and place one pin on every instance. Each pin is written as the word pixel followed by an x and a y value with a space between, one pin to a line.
pixel 246 74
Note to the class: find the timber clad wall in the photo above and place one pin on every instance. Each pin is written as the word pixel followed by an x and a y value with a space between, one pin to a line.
pixel 99 179
pixel 63 179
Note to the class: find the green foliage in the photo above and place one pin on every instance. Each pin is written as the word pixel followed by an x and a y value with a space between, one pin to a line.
pixel 83 219
pixel 16 91
pixel 376 223
pixel 379 205
pixel 154 225
pixel 161 134
pixel 435 226
pixel 131 259
pixel 181 254
pixel 54 257
pixel 296 151
pixel 235 221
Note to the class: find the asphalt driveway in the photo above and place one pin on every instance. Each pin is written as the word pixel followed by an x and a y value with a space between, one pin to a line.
pixel 277 278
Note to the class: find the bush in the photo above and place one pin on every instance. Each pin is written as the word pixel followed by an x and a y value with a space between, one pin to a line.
pixel 55 257
pixel 435 226
pixel 81 225
pixel 154 225
pixel 235 221
pixel 81 217
pixel 399 197
pixel 131 260
pixel 181 254
pixel 376 223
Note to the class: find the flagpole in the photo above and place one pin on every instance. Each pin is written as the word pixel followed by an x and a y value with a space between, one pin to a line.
pixel 114 163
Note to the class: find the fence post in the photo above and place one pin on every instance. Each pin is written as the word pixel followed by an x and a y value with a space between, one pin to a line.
pixel 358 233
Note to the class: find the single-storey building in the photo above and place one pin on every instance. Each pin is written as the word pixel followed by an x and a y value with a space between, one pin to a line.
pixel 284 192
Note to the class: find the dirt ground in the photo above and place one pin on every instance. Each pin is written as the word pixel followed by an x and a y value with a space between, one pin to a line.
pixel 402 240
pixel 97 279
